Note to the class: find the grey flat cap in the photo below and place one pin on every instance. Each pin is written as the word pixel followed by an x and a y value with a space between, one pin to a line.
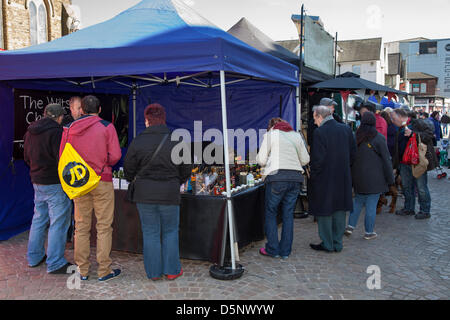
pixel 328 102
pixel 54 110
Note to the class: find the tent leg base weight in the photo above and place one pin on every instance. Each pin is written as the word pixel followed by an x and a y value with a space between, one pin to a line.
pixel 226 272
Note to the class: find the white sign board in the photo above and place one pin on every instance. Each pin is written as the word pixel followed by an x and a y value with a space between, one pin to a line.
pixel 319 48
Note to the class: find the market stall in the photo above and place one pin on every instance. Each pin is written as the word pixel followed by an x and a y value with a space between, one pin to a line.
pixel 351 84
pixel 156 51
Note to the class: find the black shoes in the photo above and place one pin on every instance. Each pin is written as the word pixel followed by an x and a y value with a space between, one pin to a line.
pixel 40 262
pixel 319 247
pixel 404 212
pixel 422 215
pixel 62 270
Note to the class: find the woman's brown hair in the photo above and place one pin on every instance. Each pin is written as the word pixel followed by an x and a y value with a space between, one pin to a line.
pixel 273 122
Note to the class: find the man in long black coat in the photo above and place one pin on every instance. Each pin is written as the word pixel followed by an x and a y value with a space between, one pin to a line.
pixel 330 196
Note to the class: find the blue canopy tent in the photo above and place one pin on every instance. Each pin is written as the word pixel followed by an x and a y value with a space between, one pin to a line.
pixel 386 103
pixel 158 51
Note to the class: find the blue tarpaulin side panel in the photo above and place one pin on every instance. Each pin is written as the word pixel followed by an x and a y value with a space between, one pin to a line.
pixel 16 195
pixel 248 107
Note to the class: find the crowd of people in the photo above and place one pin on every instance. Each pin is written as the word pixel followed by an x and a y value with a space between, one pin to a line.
pixel 346 173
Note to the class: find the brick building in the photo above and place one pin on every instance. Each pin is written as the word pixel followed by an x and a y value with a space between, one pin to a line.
pixel 28 22
pixel 423 87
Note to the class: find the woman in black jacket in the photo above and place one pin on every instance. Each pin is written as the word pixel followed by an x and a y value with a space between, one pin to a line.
pixel 371 174
pixel 157 193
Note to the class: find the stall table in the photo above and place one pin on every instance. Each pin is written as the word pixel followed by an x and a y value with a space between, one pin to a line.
pixel 201 223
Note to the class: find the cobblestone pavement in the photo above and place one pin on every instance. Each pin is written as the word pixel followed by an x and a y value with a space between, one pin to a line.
pixel 413 257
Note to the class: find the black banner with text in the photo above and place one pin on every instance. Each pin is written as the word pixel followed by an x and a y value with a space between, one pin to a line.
pixel 29 106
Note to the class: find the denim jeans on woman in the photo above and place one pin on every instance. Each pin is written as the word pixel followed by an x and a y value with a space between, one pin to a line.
pixel 52 209
pixel 408 182
pixel 286 194
pixel 160 228
pixel 369 201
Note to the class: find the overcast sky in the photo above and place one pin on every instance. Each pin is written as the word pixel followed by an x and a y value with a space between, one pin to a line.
pixel 390 19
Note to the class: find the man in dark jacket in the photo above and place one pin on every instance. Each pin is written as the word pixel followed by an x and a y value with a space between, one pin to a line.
pixel 158 177
pixel 424 129
pixel 51 205
pixel 330 196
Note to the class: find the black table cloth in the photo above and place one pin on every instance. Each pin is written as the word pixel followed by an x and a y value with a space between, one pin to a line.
pixel 201 223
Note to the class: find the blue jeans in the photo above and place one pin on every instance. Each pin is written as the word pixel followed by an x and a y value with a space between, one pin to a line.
pixel 52 210
pixel 408 182
pixel 369 201
pixel 160 226
pixel 286 194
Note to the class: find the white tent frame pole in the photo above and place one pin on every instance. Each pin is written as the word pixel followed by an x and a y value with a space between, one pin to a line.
pixel 193 84
pixel 201 82
pixel 231 82
pixel 299 110
pixel 122 84
pixel 145 79
pixel 149 85
pixel 188 77
pixel 93 80
pixel 227 167
pixel 72 82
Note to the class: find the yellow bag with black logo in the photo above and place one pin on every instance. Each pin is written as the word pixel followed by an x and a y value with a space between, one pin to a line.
pixel 76 176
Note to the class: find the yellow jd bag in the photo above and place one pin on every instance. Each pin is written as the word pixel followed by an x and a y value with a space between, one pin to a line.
pixel 76 176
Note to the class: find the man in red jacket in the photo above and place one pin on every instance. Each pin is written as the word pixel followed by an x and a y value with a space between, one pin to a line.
pixel 97 143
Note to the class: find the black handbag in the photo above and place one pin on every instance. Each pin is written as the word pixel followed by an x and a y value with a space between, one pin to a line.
pixel 131 186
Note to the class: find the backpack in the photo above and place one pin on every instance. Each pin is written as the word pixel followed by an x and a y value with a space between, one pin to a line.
pixel 76 176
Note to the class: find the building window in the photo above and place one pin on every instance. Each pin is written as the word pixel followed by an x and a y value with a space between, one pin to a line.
pixel 423 88
pixel 2 45
pixel 38 22
pixel 356 69
pixel 428 47
pixel 415 87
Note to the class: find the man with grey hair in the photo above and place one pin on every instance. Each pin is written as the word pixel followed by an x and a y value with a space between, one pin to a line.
pixel 51 205
pixel 75 111
pixel 330 104
pixel 330 194
pixel 322 111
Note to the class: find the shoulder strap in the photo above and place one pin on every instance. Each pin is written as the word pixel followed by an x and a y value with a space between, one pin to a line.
pixel 153 156
pixel 371 146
